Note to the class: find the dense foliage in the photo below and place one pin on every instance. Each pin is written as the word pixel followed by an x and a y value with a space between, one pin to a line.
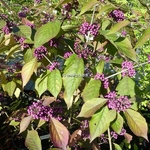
pixel 74 74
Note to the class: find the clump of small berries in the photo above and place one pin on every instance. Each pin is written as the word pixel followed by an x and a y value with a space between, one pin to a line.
pixel 54 42
pixel 85 129
pixel 87 28
pixel 38 111
pixel 123 33
pixel 30 25
pixel 117 103
pixel 47 18
pixel 22 14
pixel 53 66
pixel 117 15
pixel 84 52
pixel 3 17
pixel 130 71
pixel 40 52
pixel 37 1
pixel 8 27
pixel 67 54
pixel 102 78
pixel 23 45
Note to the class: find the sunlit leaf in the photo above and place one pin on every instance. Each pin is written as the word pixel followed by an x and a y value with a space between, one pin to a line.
pixel 87 6
pixel 91 106
pixel 143 38
pixel 54 83
pixel 137 123
pixel 72 77
pixel 100 122
pixel 25 123
pixel 46 33
pixel 117 124
pixel 10 88
pixel 2 23
pixel 100 66
pixel 48 100
pixel 118 26
pixel 40 123
pixel 59 134
pixel 91 90
pixel 33 141
pixel 117 147
pixel 126 87
pixel 28 70
pixel 14 123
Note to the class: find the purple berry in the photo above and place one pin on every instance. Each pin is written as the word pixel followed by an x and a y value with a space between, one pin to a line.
pixel 40 52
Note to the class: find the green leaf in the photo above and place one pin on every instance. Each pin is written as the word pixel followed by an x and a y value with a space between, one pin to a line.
pixel 12 50
pixel 14 123
pixel 104 9
pixel 54 83
pixel 118 26
pixel 59 134
pixel 126 87
pixel 91 90
pixel 143 38
pixel 117 124
pixel 46 33
pixel 23 31
pixel 10 88
pixel 91 106
pixel 25 123
pixel 117 147
pixel 33 141
pixel 100 66
pixel 87 6
pixel 72 77
pixel 137 123
pixel 28 56
pixel 100 122
pixel 67 28
pixel 28 70
pixel 125 47
pixel 2 23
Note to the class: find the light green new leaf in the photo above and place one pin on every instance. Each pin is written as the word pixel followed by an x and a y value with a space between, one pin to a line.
pixel 91 90
pixel 100 66
pixel 46 33
pixel 117 147
pixel 54 83
pixel 2 23
pixel 72 77
pixel 137 123
pixel 118 26
pixel 117 124
pixel 23 31
pixel 126 87
pixel 33 141
pixel 87 6
pixel 91 106
pixel 100 122
pixel 10 88
pixel 125 47
pixel 28 70
pixel 143 38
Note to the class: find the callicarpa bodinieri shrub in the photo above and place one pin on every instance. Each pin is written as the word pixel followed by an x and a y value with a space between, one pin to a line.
pixel 76 74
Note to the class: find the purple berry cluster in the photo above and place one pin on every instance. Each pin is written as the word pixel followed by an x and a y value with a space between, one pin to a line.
pixel 67 54
pixel 38 111
pixel 117 15
pixel 101 77
pixel 53 66
pixel 123 33
pixel 22 14
pixel 23 45
pixel 40 52
pixel 67 8
pixel 130 70
pixel 30 25
pixel 84 52
pixel 47 18
pixel 37 1
pixel 85 129
pixel 118 103
pixel 115 135
pixel 54 42
pixel 3 16
pixel 8 27
pixel 85 28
